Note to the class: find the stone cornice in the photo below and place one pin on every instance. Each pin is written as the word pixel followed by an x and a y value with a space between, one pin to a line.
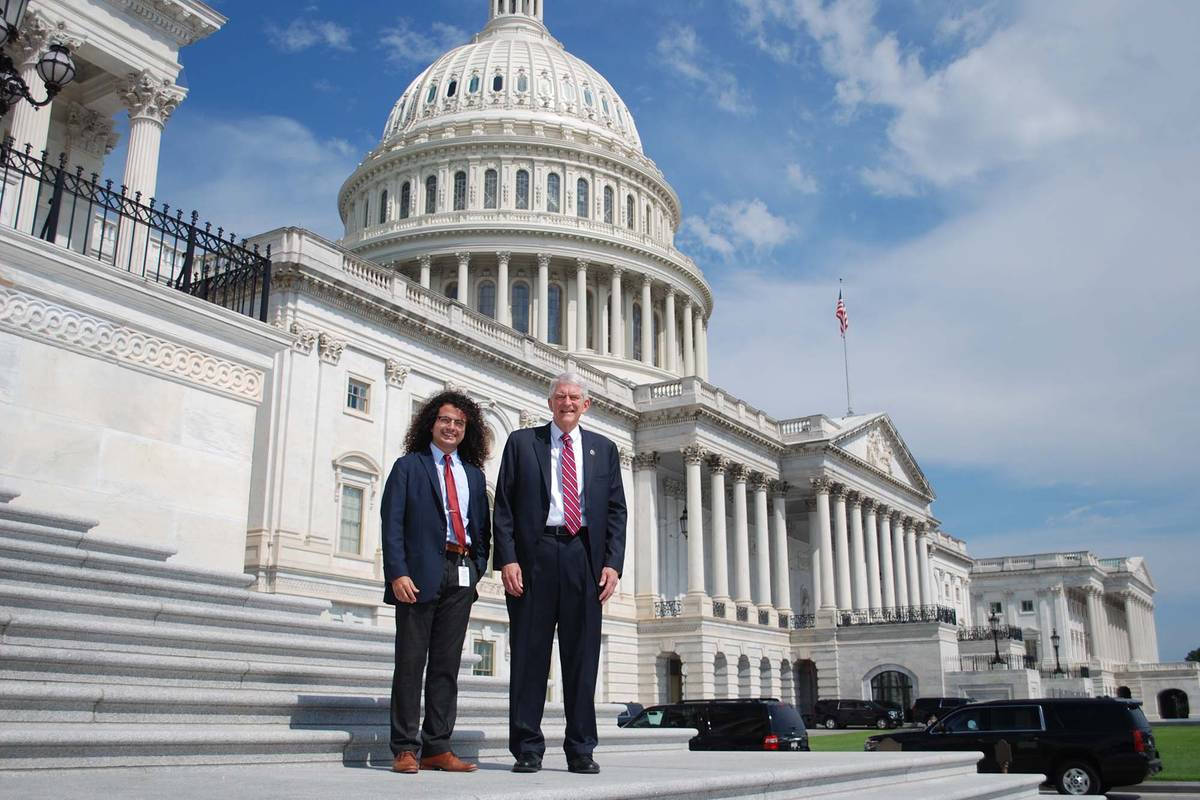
pixel 829 449
pixel 184 22
pixel 696 414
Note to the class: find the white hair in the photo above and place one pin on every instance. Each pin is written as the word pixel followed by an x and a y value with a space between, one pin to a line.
pixel 569 379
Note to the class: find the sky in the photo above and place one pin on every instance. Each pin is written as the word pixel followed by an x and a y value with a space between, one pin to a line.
pixel 1007 191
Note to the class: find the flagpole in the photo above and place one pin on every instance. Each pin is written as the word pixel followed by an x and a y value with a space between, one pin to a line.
pixel 845 351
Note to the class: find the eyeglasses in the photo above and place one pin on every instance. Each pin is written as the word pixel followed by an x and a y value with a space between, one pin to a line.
pixel 461 424
pixel 560 396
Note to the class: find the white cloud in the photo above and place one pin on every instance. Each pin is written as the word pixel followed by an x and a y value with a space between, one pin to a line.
pixel 744 224
pixel 253 174
pixel 301 34
pixel 680 49
pixel 800 180
pixel 407 46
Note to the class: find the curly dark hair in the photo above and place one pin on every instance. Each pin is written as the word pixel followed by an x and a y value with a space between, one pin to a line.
pixel 477 440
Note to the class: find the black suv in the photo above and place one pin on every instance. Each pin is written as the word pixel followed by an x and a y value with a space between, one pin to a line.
pixel 840 713
pixel 762 724
pixel 928 710
pixel 1083 745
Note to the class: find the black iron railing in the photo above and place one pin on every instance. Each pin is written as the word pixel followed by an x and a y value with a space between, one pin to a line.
pixel 804 621
pixel 743 613
pixel 719 610
pixel 891 616
pixel 783 621
pixel 984 663
pixel 983 633
pixel 95 219
pixel 668 608
pixel 764 617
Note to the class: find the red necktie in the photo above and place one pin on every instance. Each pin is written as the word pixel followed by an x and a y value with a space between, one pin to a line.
pixel 460 532
pixel 572 519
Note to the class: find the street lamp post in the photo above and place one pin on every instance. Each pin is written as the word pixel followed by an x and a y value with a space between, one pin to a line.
pixel 55 67
pixel 995 622
pixel 1055 639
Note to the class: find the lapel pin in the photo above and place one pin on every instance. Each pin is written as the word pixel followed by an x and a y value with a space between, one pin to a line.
pixel 591 452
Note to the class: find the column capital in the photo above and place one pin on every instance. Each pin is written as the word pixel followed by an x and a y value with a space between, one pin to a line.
pixel 693 454
pixel 855 498
pixel 616 272
pixel 718 463
pixel 840 491
pixel 148 97
pixel 503 256
pixel 543 260
pixel 464 258
pixel 89 131
pixel 759 481
pixel 779 488
pixel 821 484
pixel 582 264
pixel 643 461
pixel 647 281
pixel 396 373
pixel 869 505
pixel 626 457
pixel 36 34
pixel 739 472
pixel 425 260
pixel 922 527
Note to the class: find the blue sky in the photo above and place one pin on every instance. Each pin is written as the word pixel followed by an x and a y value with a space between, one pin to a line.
pixel 1009 191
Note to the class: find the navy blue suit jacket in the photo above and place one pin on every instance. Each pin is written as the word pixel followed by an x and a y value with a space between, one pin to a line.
pixel 523 499
pixel 414 524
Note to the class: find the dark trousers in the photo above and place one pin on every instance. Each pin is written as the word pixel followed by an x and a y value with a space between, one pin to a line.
pixel 432 633
pixel 562 592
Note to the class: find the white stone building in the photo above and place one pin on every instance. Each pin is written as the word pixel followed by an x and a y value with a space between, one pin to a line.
pixel 507 227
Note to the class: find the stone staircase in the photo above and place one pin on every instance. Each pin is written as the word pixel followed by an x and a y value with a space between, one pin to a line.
pixel 112 655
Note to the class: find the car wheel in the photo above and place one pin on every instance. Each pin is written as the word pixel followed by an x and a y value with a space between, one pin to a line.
pixel 881 723
pixel 830 723
pixel 1076 777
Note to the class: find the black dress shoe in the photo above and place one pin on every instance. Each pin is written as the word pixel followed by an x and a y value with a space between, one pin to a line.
pixel 528 762
pixel 584 765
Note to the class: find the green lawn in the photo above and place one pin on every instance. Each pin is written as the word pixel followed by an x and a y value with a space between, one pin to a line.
pixel 1179 746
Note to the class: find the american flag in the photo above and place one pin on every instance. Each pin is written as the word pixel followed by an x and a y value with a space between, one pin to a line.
pixel 842 317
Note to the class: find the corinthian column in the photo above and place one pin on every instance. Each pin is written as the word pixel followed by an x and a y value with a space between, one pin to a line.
pixel 814 551
pixel 463 293
pixel 783 589
pixel 888 567
pixel 543 328
pixel 720 558
pixel 645 479
pixel 692 457
pixel 871 535
pixel 426 263
pixel 689 346
pixel 927 598
pixel 615 325
pixel 858 559
pixel 670 362
pixel 698 339
pixel 902 599
pixel 150 102
pixel 910 560
pixel 762 543
pixel 503 295
pixel 647 323
pixel 843 547
pixel 741 536
pixel 822 487
pixel 581 317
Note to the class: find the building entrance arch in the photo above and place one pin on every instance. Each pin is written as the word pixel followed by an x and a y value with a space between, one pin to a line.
pixel 1173 704
pixel 806 685
pixel 893 685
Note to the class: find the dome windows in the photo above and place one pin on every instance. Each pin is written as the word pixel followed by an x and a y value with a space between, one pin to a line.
pixel 522 82
pixel 588 98
pixel 452 87
pixel 545 87
pixel 498 82
pixel 604 105
pixel 491 191
pixel 383 206
pixel 568 89
pixel 520 306
pixel 630 213
pixel 460 191
pixel 523 189
pixel 473 84
pixel 553 193
pixel 405 199
pixel 581 198
pixel 431 95
pixel 608 204
pixel 431 194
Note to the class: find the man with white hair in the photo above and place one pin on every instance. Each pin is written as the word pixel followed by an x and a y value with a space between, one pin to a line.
pixel 559 531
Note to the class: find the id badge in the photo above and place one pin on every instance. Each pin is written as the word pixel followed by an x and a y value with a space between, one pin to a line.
pixel 464 576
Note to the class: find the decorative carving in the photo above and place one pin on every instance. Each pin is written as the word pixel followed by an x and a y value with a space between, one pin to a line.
pixel 543 260
pixel 463 259
pixel 89 131
pixel 581 264
pixel 33 38
pixel 759 481
pixel 396 373
pixel 170 17
pixel 645 461
pixel 529 419
pixel 718 463
pixel 305 338
pixel 148 97
pixel 425 261
pixel 451 386
pixel 502 257
pixel 330 349
pixel 841 491
pixel 779 487
pixel 693 454
pixel 855 498
pixel 879 452
pixel 626 457
pixel 821 484
pixel 80 331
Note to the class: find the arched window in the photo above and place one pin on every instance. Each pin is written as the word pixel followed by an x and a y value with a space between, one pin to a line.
pixel 630 213
pixel 460 190
pixel 581 198
pixel 498 83
pixel 523 188
pixel 604 105
pixel 587 96
pixel 451 290
pixel 893 687
pixel 452 87
pixel 487 299
pixel 637 331
pixel 553 193
pixel 431 95
pixel 568 89
pixel 520 306
pixel 383 207
pixel 405 199
pixel 522 83
pixel 647 221
pixel 608 204
pixel 490 188
pixel 431 194
pixel 473 84
pixel 554 317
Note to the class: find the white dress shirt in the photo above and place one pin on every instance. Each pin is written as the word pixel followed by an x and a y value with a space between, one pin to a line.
pixel 460 488
pixel 555 517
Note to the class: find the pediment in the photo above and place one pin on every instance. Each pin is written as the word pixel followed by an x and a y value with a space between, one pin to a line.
pixel 875 441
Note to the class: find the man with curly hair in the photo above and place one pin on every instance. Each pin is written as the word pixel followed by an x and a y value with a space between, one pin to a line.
pixel 436 536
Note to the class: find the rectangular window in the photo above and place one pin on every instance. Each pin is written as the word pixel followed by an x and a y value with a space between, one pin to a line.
pixel 350 536
pixel 996 608
pixel 1026 606
pixel 486 652
pixel 358 396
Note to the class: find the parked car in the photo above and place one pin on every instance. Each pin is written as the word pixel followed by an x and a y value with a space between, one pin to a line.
pixel 843 713
pixel 745 724
pixel 628 713
pixel 1082 745
pixel 928 710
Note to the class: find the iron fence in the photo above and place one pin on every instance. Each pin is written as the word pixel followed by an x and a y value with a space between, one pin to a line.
pixel 905 614
pixel 984 663
pixel 804 621
pixel 719 610
pixel 743 613
pixel 93 218
pixel 668 608
pixel 764 617
pixel 983 633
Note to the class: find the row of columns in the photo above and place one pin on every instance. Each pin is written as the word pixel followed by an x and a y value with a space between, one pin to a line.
pixel 751 490
pixel 690 359
pixel 865 555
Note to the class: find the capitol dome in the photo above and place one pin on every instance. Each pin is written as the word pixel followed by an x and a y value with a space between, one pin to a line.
pixel 510 178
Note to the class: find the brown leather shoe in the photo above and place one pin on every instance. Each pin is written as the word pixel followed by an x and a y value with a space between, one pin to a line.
pixel 447 762
pixel 406 763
